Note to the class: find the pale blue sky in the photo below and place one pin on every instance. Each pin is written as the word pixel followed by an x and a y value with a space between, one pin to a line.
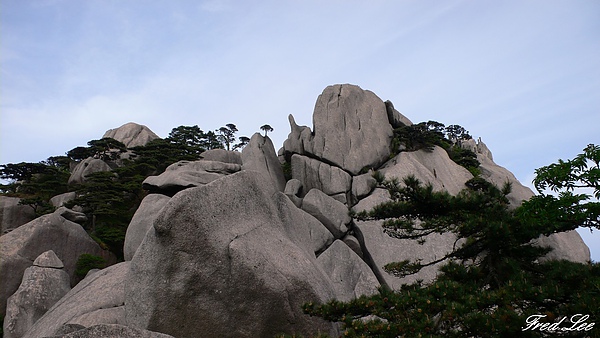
pixel 523 75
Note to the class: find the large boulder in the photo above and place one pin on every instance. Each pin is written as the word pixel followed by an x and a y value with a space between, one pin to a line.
pixel 13 214
pixel 350 275
pixel 60 200
pixel 84 168
pixel 315 174
pixel 98 299
pixel 350 129
pixel 363 185
pixel 20 247
pixel 43 284
pixel 185 174
pixel 131 134
pixel 259 155
pixel 142 221
pixel 332 213
pixel 219 263
pixel 222 155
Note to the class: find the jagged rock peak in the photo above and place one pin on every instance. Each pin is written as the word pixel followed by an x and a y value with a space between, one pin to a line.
pixel 132 134
pixel 351 129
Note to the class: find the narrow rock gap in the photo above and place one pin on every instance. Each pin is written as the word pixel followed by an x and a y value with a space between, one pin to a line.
pixel 367 258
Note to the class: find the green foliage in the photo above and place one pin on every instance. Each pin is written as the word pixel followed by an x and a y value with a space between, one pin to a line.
pixel 110 199
pixel 35 183
pixel 426 135
pixel 190 140
pixel 379 177
pixel 106 149
pixel 21 171
pixel 87 262
pixel 568 210
pixel 581 172
pixel 493 279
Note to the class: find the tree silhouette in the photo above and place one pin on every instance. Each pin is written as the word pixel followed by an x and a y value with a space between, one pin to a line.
pixel 266 128
pixel 243 142
pixel 227 135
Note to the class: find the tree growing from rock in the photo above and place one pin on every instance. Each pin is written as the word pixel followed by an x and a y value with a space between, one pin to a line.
pixel 494 282
pixel 266 128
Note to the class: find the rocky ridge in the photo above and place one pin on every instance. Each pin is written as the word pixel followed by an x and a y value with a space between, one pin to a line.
pixel 224 246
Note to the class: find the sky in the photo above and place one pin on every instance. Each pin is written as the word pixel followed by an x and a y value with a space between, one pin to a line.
pixel 522 75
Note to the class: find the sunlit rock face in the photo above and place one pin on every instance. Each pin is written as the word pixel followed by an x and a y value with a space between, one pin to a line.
pixel 132 135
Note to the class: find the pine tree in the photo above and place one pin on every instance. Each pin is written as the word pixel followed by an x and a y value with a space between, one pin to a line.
pixel 495 283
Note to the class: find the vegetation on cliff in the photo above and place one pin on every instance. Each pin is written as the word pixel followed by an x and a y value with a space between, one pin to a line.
pixel 495 282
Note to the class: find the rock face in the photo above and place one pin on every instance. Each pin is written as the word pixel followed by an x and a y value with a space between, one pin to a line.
pixel 245 286
pixel 86 167
pixel 98 299
pixel 43 284
pixel 333 214
pixel 259 155
pixel 142 220
pixel 433 167
pixel 222 155
pixel 112 330
pixel 12 214
pixel 350 275
pixel 60 200
pixel 20 247
pixel 316 174
pixel 132 135
pixel 184 174
pixel 351 129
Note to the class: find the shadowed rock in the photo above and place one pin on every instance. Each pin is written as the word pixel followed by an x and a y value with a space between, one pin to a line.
pixel 111 331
